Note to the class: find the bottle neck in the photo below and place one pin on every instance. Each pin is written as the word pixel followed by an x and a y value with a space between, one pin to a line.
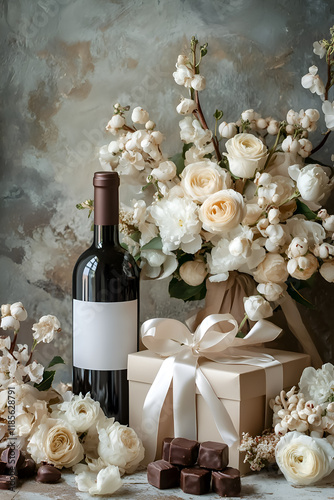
pixel 106 235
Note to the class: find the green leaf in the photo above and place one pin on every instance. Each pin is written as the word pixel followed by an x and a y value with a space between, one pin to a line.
pixel 135 236
pixel 57 360
pixel 315 162
pixel 303 209
pixel 155 244
pixel 181 290
pixel 204 49
pixel 297 296
pixel 178 159
pixel 46 383
pixel 218 114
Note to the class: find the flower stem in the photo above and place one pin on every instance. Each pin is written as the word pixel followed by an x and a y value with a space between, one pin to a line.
pixel 32 350
pixel 240 334
pixel 13 344
pixel 314 150
pixel 273 149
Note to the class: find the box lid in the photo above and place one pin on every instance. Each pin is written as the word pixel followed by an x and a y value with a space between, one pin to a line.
pixel 229 381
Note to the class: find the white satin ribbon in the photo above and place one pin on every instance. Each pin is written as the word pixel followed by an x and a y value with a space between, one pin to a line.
pixel 172 340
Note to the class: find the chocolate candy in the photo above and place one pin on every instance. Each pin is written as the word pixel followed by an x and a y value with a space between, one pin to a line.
pixel 227 482
pixel 213 455
pixel 3 467
pixel 48 473
pixel 163 475
pixel 183 451
pixel 195 481
pixel 165 448
pixel 13 457
pixel 8 482
pixel 27 469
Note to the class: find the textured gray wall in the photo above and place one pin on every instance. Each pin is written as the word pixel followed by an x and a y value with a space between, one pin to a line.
pixel 65 62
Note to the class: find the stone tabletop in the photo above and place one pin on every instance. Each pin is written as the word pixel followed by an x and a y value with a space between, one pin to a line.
pixel 267 485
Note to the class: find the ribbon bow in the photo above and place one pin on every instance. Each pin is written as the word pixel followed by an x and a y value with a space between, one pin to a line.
pixel 182 349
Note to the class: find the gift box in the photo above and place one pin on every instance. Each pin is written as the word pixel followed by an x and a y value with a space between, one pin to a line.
pixel 242 388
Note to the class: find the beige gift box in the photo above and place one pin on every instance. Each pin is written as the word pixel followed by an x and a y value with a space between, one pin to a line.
pixel 242 388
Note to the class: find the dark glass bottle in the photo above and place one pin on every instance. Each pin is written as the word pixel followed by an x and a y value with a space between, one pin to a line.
pixel 105 307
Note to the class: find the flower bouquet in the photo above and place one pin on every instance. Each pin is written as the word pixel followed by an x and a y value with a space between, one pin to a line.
pixel 53 427
pixel 238 204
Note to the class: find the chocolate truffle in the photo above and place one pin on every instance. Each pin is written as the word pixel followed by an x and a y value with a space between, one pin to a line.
pixel 27 469
pixel 165 448
pixel 227 482
pixel 163 475
pixel 195 480
pixel 3 467
pixel 213 455
pixel 183 451
pixel 13 457
pixel 8 482
pixel 48 473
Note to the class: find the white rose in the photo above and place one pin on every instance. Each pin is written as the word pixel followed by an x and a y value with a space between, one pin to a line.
pixel 271 291
pixel 119 445
pixel 45 329
pixel 327 271
pixel 139 115
pixel 312 181
pixel 166 171
pixel 222 211
pixel 106 482
pixel 304 460
pixel 56 442
pixel 297 247
pixel 246 155
pixel 227 130
pixel 256 307
pixel 18 311
pixel 272 269
pixel 10 323
pixel 193 272
pixel 203 178
pixel 302 267
pixel 81 412
pixel 186 107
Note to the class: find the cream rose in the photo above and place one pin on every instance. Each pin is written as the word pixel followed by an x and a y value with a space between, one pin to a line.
pixel 302 267
pixel 222 211
pixel 56 442
pixel 119 445
pixel 256 307
pixel 81 412
pixel 272 269
pixel 200 180
pixel 193 272
pixel 246 155
pixel 304 460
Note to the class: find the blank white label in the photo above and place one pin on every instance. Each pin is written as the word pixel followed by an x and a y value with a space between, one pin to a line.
pixel 104 333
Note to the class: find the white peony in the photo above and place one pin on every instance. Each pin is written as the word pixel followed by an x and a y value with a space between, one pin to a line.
pixel 186 107
pixel 45 329
pixel 318 385
pixel 166 171
pixel 178 224
pixel 56 442
pixel 313 82
pixel 246 155
pixel 304 460
pixel 203 178
pixel 106 482
pixel 312 182
pixel 155 264
pixel 313 232
pixel 327 271
pixel 193 272
pixel 119 445
pixel 222 211
pixel 256 307
pixel 271 291
pixel 18 311
pixel 81 412
pixel 328 110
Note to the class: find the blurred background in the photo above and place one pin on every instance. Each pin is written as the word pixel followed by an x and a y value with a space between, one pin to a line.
pixel 66 62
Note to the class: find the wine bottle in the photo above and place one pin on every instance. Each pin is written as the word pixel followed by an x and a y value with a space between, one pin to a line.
pixel 105 307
